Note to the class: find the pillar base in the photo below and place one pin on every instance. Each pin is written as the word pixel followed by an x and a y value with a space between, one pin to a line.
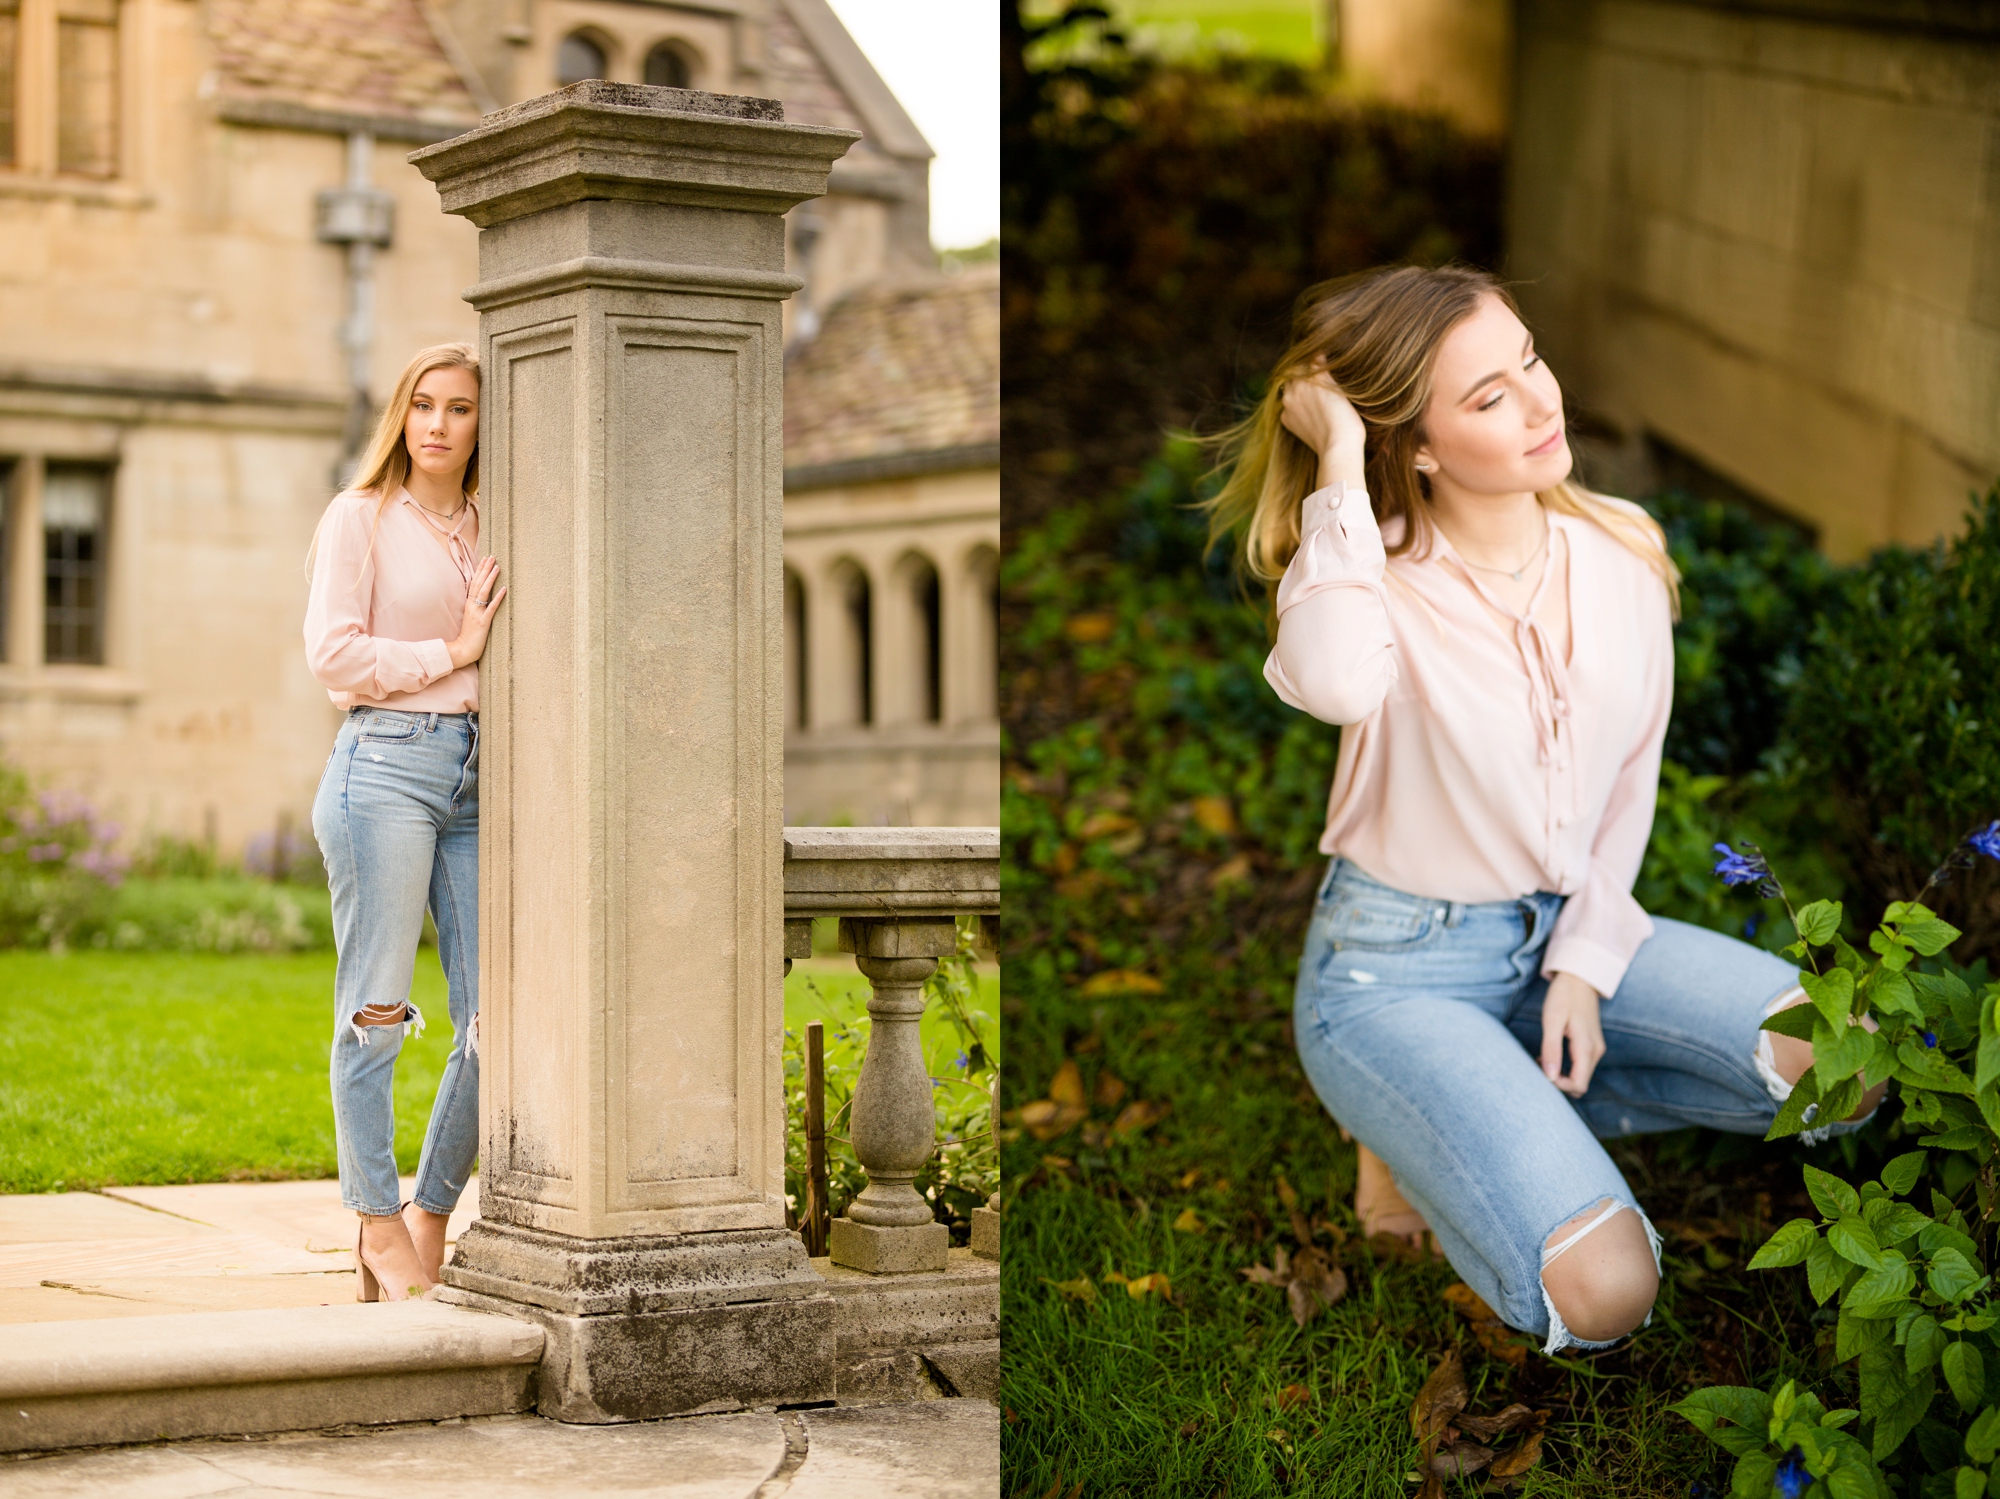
pixel 986 1233
pixel 639 1328
pixel 887 1251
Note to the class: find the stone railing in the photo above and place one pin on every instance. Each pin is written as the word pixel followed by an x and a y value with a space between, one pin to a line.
pixel 898 893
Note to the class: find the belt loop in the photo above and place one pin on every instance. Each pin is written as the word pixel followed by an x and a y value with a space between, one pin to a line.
pixel 431 727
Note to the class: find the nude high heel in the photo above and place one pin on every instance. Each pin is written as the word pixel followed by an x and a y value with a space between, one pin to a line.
pixel 366 1286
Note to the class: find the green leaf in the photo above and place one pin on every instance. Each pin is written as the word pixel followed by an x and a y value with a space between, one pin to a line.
pixel 1832 994
pixel 1854 1241
pixel 1901 1402
pixel 1895 1222
pixel 1756 1476
pixel 1982 1437
pixel 1832 1196
pixel 1901 1174
pixel 1926 933
pixel 1796 1021
pixel 1882 1292
pixel 1969 1484
pixel 1845 1059
pixel 1819 921
pixel 1965 1372
pixel 1792 1116
pixel 1952 1276
pixel 1840 1100
pixel 1946 994
pixel 1891 993
pixel 1788 1246
pixel 1825 1270
pixel 1965 1137
pixel 1986 1068
pixel 1932 1068
pixel 1733 1403
pixel 1782 1405
pixel 1939 1236
pixel 1924 1342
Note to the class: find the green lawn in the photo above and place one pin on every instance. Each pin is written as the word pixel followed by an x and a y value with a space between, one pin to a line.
pixel 125 1068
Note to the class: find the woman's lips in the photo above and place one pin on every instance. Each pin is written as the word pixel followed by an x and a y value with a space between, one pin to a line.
pixel 1546 447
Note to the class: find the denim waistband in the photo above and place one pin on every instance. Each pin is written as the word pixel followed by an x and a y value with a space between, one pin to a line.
pixel 1344 873
pixel 428 719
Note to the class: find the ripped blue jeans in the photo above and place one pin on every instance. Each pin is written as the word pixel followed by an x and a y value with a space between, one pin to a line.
pixel 1419 1023
pixel 397 819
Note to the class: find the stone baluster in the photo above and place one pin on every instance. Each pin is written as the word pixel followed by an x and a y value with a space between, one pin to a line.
pixel 892 1124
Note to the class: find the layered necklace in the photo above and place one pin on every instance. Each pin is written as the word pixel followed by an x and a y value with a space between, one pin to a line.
pixel 1515 572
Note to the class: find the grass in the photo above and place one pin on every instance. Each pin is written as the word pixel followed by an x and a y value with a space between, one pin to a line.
pixel 127 1068
pixel 1129 1396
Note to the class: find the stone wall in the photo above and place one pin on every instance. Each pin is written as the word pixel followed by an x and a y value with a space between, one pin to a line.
pixel 1773 243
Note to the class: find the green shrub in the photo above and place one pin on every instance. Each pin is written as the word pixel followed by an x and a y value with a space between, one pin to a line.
pixel 58 864
pixel 1894 724
pixel 221 915
pixel 1914 1289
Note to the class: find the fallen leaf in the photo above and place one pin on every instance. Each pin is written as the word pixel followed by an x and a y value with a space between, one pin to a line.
pixel 1114 1278
pixel 1469 1304
pixel 1214 814
pixel 1108 1092
pixel 1137 1115
pixel 1486 1428
pixel 1292 1396
pixel 1189 1222
pixel 1081 886
pixel 1095 1135
pixel 1120 981
pixel 1089 629
pixel 1079 1289
pixel 1235 872
pixel 1443 1396
pixel 1460 1459
pixel 1502 1342
pixel 1063 861
pixel 1280 1436
pixel 1190 1426
pixel 1189 1177
pixel 1301 1230
pixel 1045 1118
pixel 1287 1194
pixel 1066 1086
pixel 1518 1459
pixel 1150 1285
pixel 1315 1285
pixel 1058 1162
pixel 1104 823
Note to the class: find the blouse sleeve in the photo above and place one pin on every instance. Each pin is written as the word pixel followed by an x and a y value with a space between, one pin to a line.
pixel 1602 926
pixel 339 649
pixel 1335 657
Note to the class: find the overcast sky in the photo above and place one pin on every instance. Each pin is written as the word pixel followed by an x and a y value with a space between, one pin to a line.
pixel 942 59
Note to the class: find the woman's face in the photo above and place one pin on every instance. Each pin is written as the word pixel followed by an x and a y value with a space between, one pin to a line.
pixel 443 423
pixel 1495 422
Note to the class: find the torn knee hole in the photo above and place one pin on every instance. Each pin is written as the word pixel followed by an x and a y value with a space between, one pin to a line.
pixel 381 1014
pixel 1607 1289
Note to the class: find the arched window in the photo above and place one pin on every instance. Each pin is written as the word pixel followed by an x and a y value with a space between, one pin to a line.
pixel 855 658
pixel 579 57
pixel 797 707
pixel 913 647
pixel 982 653
pixel 671 65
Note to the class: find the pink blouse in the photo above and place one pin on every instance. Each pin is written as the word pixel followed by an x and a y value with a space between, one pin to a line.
pixel 377 622
pixel 1479 765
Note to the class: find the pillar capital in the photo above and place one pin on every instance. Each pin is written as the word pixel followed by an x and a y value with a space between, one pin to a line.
pixel 626 141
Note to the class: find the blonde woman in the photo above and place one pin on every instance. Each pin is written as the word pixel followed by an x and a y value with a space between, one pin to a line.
pixel 1481 1000
pixel 400 605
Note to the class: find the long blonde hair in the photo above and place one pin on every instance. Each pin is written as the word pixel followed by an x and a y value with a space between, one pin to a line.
pixel 385 462
pixel 1377 334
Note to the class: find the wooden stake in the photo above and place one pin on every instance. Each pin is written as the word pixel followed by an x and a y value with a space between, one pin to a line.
pixel 815 1220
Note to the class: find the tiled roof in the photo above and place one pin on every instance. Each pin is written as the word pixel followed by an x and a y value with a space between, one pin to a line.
pixel 357 57
pixel 903 367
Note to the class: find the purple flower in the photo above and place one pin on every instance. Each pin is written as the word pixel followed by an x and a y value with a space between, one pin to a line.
pixel 1746 869
pixel 45 853
pixel 1930 1040
pixel 1987 842
pixel 1792 1479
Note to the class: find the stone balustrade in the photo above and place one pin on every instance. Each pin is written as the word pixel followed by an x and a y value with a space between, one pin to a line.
pixel 898 893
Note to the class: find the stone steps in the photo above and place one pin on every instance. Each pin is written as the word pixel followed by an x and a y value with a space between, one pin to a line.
pixel 143 1379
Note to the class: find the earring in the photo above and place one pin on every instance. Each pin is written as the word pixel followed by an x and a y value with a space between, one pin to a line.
pixel 1424 467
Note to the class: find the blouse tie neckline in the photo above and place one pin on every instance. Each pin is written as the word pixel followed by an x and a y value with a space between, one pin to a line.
pixel 454 540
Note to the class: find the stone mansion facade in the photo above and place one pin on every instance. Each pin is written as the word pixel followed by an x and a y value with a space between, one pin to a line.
pixel 214 258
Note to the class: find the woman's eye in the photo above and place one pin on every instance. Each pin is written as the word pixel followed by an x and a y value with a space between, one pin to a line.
pixel 1491 402
pixel 1533 360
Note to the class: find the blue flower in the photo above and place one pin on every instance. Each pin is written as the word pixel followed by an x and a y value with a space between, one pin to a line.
pixel 1930 1039
pixel 1746 869
pixel 1793 1479
pixel 1988 842
pixel 1750 926
pixel 963 1063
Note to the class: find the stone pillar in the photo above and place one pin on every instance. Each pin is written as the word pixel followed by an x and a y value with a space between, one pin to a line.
pixel 632 1171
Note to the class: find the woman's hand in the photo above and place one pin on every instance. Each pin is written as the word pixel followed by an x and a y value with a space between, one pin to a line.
pixel 482 599
pixel 1318 415
pixel 1569 1012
